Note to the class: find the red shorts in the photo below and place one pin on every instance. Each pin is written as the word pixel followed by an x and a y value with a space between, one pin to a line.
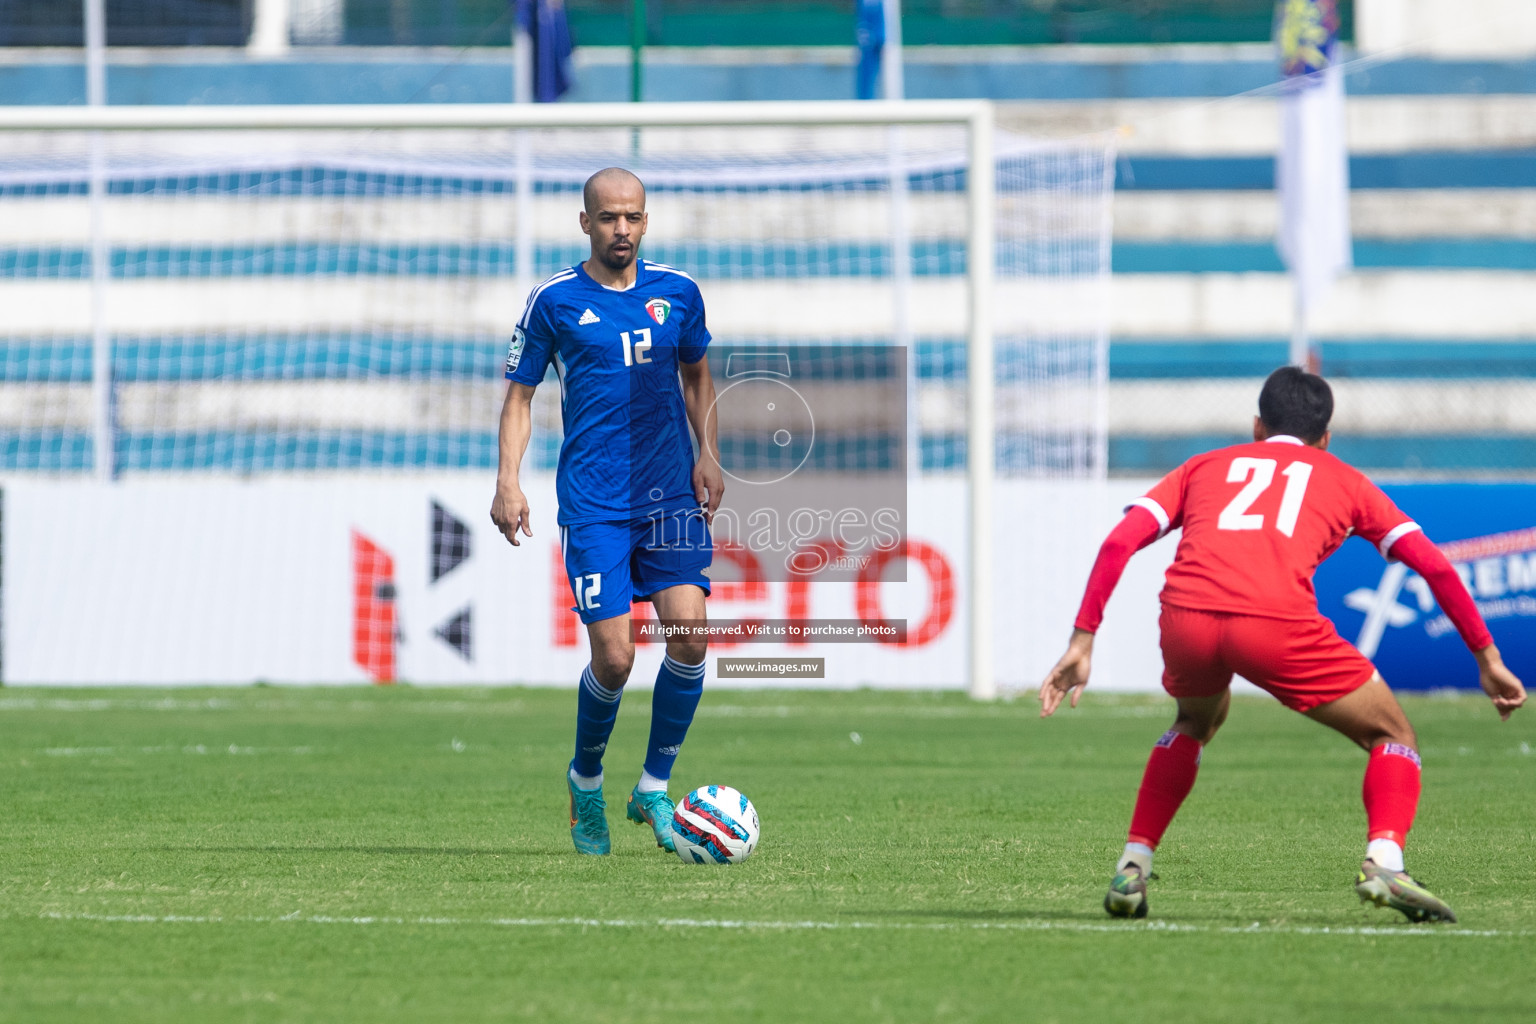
pixel 1303 663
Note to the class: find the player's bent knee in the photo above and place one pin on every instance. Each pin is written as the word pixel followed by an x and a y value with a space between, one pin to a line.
pixel 1201 732
pixel 1399 732
pixel 613 676
pixel 1200 718
pixel 1371 738
pixel 1368 716
pixel 611 666
pixel 689 652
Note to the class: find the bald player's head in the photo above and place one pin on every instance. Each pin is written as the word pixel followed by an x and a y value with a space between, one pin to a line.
pixel 614 219
pixel 605 183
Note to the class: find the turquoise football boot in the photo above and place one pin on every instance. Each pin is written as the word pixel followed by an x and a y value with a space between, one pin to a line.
pixel 589 823
pixel 655 810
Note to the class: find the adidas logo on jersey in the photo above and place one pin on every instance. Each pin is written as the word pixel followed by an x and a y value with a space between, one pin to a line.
pixel 588 317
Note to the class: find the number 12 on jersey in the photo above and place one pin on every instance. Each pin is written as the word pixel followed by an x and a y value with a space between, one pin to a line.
pixel 639 352
pixel 1259 474
pixel 585 589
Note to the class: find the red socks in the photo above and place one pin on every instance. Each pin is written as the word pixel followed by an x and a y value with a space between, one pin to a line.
pixel 1169 777
pixel 1391 791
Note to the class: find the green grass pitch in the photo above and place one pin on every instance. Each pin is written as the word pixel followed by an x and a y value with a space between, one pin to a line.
pixel 400 854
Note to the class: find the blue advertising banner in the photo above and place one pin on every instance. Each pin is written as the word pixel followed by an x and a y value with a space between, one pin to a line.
pixel 1488 531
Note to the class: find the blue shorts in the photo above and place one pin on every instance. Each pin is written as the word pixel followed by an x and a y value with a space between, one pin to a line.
pixel 611 564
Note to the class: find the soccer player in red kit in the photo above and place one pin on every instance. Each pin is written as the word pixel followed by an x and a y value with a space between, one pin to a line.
pixel 1258 519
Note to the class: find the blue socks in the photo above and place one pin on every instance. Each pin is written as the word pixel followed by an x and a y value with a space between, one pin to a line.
pixel 596 709
pixel 678 688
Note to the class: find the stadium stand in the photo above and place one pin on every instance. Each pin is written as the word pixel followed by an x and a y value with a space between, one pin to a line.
pixel 1431 342
pixel 753 23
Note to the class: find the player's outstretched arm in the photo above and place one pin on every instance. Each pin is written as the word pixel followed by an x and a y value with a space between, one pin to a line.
pixel 509 508
pixel 699 401
pixel 1070 674
pixel 1134 532
pixel 1502 686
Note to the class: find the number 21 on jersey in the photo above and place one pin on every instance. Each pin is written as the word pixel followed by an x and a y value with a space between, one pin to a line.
pixel 1259 474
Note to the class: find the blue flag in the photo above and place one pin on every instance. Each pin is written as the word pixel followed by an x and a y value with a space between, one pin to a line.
pixel 871 39
pixel 545 23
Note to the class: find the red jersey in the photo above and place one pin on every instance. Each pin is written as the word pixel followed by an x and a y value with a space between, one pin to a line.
pixel 1258 519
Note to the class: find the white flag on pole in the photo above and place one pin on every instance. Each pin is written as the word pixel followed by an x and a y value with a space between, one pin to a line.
pixel 1312 166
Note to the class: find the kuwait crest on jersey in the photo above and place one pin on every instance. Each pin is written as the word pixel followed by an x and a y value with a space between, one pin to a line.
pixel 659 309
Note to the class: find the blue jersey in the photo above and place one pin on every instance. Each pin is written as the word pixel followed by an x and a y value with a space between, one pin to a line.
pixel 627 450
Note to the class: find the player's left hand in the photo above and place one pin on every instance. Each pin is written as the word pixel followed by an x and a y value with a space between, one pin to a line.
pixel 1070 674
pixel 1501 685
pixel 708 485
pixel 510 512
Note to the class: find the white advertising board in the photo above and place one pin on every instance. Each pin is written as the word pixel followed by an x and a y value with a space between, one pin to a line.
pixel 352 579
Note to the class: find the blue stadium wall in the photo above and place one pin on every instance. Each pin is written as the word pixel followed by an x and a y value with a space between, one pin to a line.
pixel 1431 342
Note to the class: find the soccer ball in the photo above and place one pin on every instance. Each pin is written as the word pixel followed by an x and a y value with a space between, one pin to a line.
pixel 715 825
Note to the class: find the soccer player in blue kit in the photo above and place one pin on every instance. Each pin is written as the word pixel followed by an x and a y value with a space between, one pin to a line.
pixel 627 338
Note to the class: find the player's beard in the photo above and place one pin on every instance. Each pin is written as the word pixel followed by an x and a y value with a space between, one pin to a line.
pixel 618 260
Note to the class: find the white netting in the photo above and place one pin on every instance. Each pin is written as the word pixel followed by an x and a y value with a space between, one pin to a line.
pixel 1053 238
pixel 295 304
pixel 285 301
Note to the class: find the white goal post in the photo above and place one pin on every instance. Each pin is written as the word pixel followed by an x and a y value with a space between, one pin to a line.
pixel 980 256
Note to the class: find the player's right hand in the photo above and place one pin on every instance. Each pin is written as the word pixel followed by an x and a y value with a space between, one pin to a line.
pixel 1070 674
pixel 1501 685
pixel 510 511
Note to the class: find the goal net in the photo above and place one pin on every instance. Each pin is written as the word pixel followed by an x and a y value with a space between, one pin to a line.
pixel 308 305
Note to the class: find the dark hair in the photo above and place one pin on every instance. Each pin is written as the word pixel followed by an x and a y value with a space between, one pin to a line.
pixel 1296 402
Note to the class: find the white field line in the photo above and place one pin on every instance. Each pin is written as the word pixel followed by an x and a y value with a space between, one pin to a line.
pixel 1022 708
pixel 790 926
pixel 116 704
pixel 190 748
pixel 97 704
pixel 1106 706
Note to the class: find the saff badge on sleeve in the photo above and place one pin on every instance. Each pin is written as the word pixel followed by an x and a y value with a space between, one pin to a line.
pixel 515 349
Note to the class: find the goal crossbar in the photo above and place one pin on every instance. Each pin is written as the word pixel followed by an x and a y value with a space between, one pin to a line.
pixel 976 113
